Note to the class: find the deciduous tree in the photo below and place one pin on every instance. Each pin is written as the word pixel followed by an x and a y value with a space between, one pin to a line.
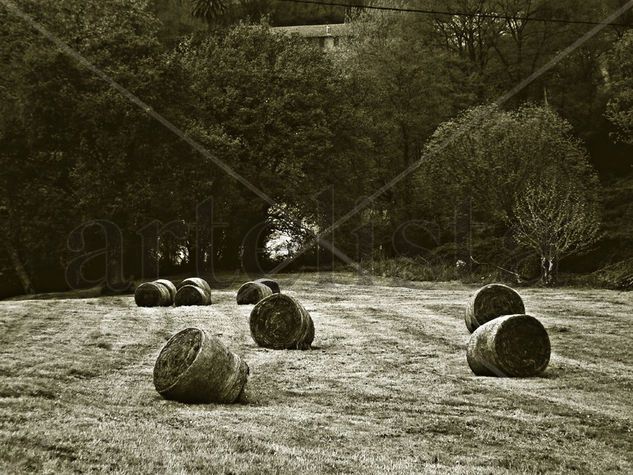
pixel 555 218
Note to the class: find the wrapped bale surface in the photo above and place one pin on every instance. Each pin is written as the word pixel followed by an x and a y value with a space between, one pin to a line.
pixel 195 367
pixel 169 285
pixel 151 294
pixel 198 282
pixel 252 292
pixel 511 346
pixel 281 322
pixel 272 284
pixel 192 295
pixel 490 302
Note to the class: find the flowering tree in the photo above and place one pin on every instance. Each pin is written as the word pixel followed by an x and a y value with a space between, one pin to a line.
pixel 555 218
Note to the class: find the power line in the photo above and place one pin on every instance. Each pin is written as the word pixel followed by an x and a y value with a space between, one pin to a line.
pixel 492 16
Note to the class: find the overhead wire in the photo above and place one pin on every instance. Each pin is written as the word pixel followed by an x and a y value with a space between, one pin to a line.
pixel 492 16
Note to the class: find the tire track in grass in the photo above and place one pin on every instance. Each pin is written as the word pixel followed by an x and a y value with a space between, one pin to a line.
pixel 434 327
pixel 414 394
pixel 393 321
pixel 129 391
pixel 572 400
pixel 603 416
pixel 455 321
pixel 364 379
pixel 615 369
pixel 615 411
pixel 87 349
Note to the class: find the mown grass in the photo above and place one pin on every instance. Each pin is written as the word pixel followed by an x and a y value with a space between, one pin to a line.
pixel 386 388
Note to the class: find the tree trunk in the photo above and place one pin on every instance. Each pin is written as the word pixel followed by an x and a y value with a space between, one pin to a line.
pixel 406 187
pixel 18 267
pixel 253 255
pixel 548 270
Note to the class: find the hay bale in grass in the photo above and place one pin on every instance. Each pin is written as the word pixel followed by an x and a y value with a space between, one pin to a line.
pixel 510 346
pixel 272 284
pixel 280 322
pixel 152 294
pixel 490 302
pixel 198 282
pixel 192 295
pixel 195 367
pixel 170 287
pixel 252 292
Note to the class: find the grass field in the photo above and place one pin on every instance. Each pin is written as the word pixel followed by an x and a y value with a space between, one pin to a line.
pixel 386 388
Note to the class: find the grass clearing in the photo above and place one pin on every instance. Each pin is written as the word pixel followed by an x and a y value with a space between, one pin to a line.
pixel 386 388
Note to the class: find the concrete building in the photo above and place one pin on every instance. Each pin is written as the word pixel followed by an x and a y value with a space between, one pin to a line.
pixel 326 37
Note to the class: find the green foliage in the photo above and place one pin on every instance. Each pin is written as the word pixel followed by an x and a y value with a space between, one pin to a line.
pixel 405 86
pixel 407 268
pixel 555 217
pixel 66 135
pixel 284 106
pixel 489 155
pixel 176 20
pixel 618 219
pixel 492 158
pixel 501 52
pixel 209 10
pixel 618 276
pixel 280 13
pixel 74 149
pixel 316 131
pixel 620 107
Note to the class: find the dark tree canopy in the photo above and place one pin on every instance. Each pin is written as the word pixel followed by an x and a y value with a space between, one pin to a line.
pixel 317 131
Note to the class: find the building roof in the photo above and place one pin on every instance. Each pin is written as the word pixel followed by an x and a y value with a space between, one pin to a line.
pixel 314 31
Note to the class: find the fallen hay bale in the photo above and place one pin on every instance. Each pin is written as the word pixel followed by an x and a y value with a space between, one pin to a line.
pixel 509 346
pixel 152 294
pixel 170 287
pixel 192 295
pixel 281 322
pixel 195 367
pixel 252 292
pixel 490 302
pixel 270 283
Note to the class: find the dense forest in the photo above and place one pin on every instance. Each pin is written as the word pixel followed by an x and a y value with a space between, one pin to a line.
pixel 185 16
pixel 192 137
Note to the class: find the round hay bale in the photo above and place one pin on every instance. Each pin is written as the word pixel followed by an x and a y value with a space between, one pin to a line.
pixel 170 287
pixel 280 322
pixel 195 367
pixel 252 292
pixel 198 282
pixel 192 295
pixel 490 302
pixel 151 294
pixel 272 284
pixel 510 346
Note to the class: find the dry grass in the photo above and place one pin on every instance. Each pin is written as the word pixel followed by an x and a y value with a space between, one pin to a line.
pixel 386 388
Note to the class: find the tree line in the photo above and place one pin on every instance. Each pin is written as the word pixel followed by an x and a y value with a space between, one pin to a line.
pixel 92 183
